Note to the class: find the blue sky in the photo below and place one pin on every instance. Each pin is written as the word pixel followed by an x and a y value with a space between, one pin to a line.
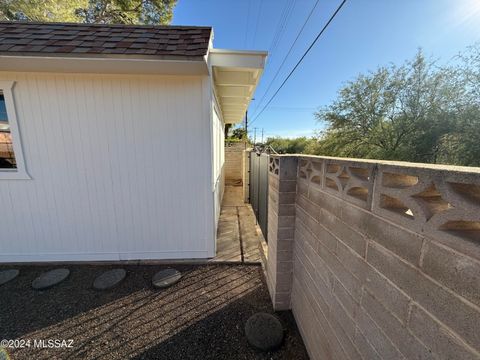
pixel 364 35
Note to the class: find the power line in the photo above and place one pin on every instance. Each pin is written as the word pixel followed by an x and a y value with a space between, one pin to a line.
pixel 290 5
pixel 279 24
pixel 291 109
pixel 284 17
pixel 301 59
pixel 286 56
pixel 258 21
pixel 248 18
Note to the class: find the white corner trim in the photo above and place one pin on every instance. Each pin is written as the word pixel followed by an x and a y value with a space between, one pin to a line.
pixel 21 172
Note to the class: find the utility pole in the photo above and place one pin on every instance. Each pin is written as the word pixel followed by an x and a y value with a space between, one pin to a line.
pixel 254 137
pixel 262 136
pixel 246 129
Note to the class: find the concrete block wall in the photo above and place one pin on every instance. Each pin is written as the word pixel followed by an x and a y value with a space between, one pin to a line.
pixel 281 227
pixel 384 261
pixel 234 160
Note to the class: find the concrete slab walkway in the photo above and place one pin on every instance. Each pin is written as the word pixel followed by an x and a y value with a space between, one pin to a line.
pixel 238 235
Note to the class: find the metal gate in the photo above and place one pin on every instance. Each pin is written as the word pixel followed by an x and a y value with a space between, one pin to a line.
pixel 258 188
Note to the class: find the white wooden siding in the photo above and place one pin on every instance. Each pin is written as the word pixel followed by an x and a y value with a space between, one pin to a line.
pixel 120 167
pixel 218 137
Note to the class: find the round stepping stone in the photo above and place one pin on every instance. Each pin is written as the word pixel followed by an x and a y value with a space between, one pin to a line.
pixel 264 331
pixel 166 278
pixel 8 275
pixel 109 279
pixel 50 278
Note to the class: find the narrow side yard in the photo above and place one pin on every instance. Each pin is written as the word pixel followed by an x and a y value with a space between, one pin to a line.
pixel 238 236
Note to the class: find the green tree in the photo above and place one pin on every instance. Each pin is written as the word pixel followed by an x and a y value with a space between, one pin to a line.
pixel 461 146
pixel 89 11
pixel 239 133
pixel 414 112
pixel 298 145
pixel 41 10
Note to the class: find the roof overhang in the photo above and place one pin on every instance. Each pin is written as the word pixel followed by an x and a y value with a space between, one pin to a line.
pixel 103 65
pixel 235 77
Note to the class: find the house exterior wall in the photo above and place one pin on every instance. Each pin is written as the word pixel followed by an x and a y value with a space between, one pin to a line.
pixel 120 167
pixel 218 138
pixel 377 260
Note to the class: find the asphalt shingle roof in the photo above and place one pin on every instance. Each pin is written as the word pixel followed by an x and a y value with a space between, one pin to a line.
pixel 94 39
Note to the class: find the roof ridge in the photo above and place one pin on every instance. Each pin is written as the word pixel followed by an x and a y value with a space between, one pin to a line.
pixel 104 25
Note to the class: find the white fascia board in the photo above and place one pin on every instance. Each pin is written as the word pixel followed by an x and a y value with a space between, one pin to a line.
pixel 237 59
pixel 106 65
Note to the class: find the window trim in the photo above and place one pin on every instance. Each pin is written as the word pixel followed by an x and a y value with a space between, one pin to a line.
pixel 20 173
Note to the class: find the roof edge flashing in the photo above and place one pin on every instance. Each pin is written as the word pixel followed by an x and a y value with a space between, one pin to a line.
pixel 104 65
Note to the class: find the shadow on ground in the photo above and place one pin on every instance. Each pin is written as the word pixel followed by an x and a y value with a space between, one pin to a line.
pixel 201 317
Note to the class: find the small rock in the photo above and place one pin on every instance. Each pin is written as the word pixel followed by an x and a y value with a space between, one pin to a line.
pixel 50 278
pixel 109 279
pixel 264 332
pixel 8 275
pixel 166 278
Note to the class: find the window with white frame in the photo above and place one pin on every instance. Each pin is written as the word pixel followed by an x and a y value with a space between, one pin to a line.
pixel 12 165
pixel 7 154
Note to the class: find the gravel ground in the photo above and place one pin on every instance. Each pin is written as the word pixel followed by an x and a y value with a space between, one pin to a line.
pixel 201 317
